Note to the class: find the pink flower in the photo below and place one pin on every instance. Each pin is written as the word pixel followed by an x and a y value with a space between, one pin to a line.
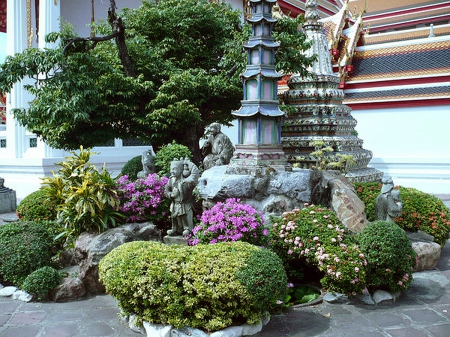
pixel 290 252
pixel 316 238
pixel 333 240
pixel 356 269
pixel 400 283
pixel 338 274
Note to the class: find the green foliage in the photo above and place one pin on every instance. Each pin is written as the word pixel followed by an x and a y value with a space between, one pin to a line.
pixel 41 281
pixel 316 238
pixel 167 154
pixel 34 207
pixel 421 211
pixel 193 286
pixel 132 168
pixel 86 197
pixel 390 256
pixel 301 294
pixel 368 193
pixel 25 246
pixel 425 212
pixel 187 56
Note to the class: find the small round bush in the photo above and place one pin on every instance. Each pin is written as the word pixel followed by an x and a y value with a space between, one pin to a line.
pixel 368 193
pixel 132 168
pixel 230 221
pixel 25 246
pixel 41 281
pixel 209 287
pixel 315 237
pixel 167 154
pixel 390 256
pixel 34 207
pixel 425 212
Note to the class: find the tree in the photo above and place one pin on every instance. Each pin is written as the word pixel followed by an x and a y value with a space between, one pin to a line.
pixel 159 73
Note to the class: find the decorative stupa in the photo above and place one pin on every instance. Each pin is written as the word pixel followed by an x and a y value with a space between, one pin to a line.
pixel 320 113
pixel 259 118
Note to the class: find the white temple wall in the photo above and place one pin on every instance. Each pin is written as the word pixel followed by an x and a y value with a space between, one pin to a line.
pixel 409 144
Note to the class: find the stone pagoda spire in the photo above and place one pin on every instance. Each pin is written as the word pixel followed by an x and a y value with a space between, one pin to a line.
pixel 321 115
pixel 259 118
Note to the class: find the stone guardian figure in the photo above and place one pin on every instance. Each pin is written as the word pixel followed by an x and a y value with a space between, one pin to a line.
pixel 388 204
pixel 183 179
pixel 148 163
pixel 218 149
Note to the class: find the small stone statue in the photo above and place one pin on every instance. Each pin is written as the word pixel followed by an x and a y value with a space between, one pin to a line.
pixel 388 205
pixel 183 179
pixel 218 149
pixel 148 163
pixel 3 189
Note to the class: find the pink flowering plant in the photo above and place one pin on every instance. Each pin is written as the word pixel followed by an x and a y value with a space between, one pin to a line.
pixel 316 237
pixel 230 221
pixel 143 199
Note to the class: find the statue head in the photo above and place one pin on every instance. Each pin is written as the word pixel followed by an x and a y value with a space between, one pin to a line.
pixel 214 128
pixel 388 185
pixel 176 168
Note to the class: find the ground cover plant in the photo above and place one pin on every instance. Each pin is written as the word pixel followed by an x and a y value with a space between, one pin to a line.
pixel 209 287
pixel 314 237
pixel 421 211
pixel 390 256
pixel 34 207
pixel 41 281
pixel 230 221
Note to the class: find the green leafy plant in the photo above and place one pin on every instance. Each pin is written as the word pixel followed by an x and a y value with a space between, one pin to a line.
pixel 167 154
pixel 301 294
pixel 132 168
pixel 421 211
pixel 315 237
pixel 86 197
pixel 390 256
pixel 209 287
pixel 25 246
pixel 34 207
pixel 41 281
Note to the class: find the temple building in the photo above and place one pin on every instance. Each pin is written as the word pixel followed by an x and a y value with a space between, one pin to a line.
pixel 390 58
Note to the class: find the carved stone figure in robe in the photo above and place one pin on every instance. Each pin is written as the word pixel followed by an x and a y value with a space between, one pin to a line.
pixel 218 149
pixel 388 204
pixel 184 177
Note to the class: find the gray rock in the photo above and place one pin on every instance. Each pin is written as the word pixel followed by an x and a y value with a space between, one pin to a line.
pixel 7 291
pixel 21 295
pixel 70 289
pixel 250 330
pixel 157 330
pixel 188 332
pixel 428 254
pixel 134 327
pixel 427 285
pixel 382 297
pixel 366 298
pixel 232 331
pixel 335 298
pixel 420 236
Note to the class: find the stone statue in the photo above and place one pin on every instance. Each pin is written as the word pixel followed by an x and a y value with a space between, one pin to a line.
pixel 148 163
pixel 388 204
pixel 183 179
pixel 218 149
pixel 3 189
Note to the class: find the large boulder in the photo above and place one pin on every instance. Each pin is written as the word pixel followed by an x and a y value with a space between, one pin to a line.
pixel 428 255
pixel 91 248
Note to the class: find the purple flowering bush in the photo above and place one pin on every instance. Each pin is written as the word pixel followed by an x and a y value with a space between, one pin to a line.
pixel 230 221
pixel 314 236
pixel 143 199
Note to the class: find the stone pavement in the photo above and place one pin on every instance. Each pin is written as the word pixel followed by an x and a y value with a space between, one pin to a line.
pixel 424 310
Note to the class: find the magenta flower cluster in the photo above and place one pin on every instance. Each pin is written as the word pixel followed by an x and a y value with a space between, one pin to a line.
pixel 143 199
pixel 230 221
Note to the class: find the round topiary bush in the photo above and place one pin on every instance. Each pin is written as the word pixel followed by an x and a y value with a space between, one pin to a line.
pixel 34 207
pixel 167 154
pixel 132 168
pixel 425 212
pixel 41 281
pixel 25 246
pixel 209 287
pixel 390 256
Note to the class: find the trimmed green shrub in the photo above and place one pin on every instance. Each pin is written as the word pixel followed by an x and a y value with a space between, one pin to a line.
pixel 132 168
pixel 34 207
pixel 167 154
pixel 206 286
pixel 315 238
pixel 425 212
pixel 420 210
pixel 390 256
pixel 41 281
pixel 25 246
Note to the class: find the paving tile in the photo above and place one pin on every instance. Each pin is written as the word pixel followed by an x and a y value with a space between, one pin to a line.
pixel 424 316
pixel 66 330
pixel 440 330
pixel 408 332
pixel 387 319
pixel 29 317
pixel 25 331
